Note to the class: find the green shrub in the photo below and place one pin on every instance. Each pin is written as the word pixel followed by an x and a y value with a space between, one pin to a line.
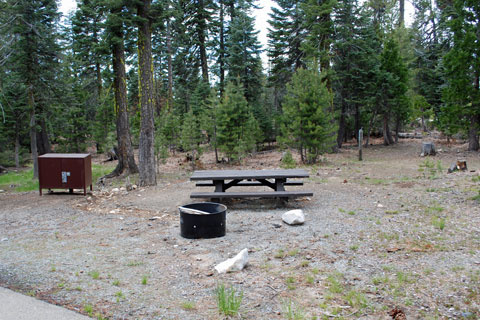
pixel 287 160
pixel 7 157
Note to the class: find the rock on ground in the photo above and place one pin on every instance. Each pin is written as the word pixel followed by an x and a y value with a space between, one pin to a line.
pixel 236 263
pixel 294 217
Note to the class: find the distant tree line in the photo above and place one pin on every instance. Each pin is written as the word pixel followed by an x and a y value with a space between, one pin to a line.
pixel 167 76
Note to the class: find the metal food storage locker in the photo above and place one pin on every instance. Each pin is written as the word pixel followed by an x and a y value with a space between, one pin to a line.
pixel 65 171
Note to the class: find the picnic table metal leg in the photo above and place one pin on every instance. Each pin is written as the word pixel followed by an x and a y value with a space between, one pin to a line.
pixel 280 186
pixel 219 187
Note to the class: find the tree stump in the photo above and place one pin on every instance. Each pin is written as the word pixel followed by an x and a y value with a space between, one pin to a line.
pixel 459 165
pixel 428 149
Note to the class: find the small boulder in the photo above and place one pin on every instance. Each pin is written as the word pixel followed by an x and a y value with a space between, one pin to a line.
pixel 236 263
pixel 294 217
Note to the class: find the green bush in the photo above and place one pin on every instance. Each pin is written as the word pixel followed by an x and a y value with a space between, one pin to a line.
pixel 287 160
pixel 7 158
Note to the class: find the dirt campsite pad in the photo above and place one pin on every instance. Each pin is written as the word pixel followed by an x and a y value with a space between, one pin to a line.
pixel 392 236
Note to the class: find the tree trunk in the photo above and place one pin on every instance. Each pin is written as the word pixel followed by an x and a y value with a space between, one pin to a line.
pixel 33 131
pixel 401 18
pixel 369 131
pixel 424 127
pixel 221 57
pixel 126 159
pixel 98 70
pixel 201 31
pixel 357 120
pixel 146 156
pixel 386 140
pixel 169 65
pixel 17 145
pixel 473 144
pixel 43 143
pixel 341 127
pixel 389 134
pixel 397 130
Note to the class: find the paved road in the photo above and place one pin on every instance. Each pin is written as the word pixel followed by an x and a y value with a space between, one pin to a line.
pixel 16 306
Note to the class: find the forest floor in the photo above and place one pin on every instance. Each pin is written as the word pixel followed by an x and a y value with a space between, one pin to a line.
pixel 392 232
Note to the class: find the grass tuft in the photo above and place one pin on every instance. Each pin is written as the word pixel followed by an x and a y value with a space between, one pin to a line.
pixel 188 305
pixel 291 311
pixel 228 300
pixel 94 274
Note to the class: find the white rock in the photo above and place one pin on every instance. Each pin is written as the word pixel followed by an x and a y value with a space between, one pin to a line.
pixel 293 217
pixel 236 263
pixel 380 205
pixel 2 191
pixel 115 190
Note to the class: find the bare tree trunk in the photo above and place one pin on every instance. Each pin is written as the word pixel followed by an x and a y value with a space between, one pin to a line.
pixel 201 31
pixel 126 159
pixel 146 157
pixel 33 131
pixel 473 144
pixel 357 121
pixel 424 127
pixel 17 147
pixel 170 66
pixel 397 130
pixel 221 57
pixel 401 18
pixel 341 127
pixel 369 131
pixel 43 143
pixel 387 136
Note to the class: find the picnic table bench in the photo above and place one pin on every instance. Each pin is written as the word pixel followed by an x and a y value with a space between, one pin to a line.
pixel 223 180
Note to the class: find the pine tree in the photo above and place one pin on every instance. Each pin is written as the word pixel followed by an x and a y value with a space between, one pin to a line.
pixel 308 124
pixel 355 63
pixel 236 125
pixel 243 51
pixel 285 37
pixel 462 67
pixel 208 120
pixel 393 87
pixel 191 136
pixel 428 81
pixel 89 55
pixel 319 25
pixel 31 60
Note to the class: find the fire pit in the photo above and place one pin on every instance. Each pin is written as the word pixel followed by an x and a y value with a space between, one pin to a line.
pixel 202 220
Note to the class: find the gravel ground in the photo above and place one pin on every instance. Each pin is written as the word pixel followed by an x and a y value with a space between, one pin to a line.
pixel 380 235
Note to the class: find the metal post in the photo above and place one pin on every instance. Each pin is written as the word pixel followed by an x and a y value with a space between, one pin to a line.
pixel 360 143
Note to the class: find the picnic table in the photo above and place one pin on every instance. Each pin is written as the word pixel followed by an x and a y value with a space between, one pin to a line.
pixel 223 180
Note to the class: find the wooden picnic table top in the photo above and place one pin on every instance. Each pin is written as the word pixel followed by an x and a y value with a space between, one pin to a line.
pixel 248 174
